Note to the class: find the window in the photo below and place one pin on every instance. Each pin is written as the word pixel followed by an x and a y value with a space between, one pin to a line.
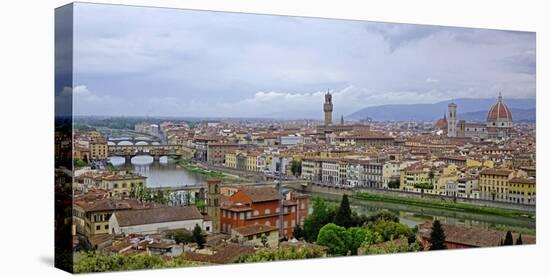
pixel 256 212
pixel 277 210
pixel 286 210
pixel 267 223
pixel 302 206
pixel 106 227
pixel 293 223
pixel 267 211
pixel 293 208
pixel 285 224
pixel 98 227
pixel 241 215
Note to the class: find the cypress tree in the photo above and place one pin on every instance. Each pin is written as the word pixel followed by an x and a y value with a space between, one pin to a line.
pixel 508 240
pixel 437 237
pixel 198 237
pixel 519 241
pixel 343 215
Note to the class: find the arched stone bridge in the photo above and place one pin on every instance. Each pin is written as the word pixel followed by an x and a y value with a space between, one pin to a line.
pixel 135 141
pixel 156 151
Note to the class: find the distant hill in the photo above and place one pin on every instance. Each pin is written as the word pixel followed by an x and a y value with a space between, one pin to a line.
pixel 476 109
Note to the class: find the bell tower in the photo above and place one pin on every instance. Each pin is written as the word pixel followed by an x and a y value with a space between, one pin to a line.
pixel 213 203
pixel 327 108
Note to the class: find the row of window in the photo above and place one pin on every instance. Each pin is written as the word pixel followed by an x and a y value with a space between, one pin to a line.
pixel 98 227
pixel 245 215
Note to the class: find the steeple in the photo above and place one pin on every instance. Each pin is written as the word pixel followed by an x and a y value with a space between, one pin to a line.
pixel 445 116
pixel 499 97
pixel 342 120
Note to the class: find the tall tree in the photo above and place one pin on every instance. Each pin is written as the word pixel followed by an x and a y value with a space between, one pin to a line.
pixel 321 215
pixel 508 240
pixel 198 237
pixel 297 232
pixel 296 167
pixel 437 237
pixel 343 215
pixel 519 241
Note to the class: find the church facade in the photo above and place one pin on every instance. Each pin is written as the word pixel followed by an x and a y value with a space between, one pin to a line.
pixel 498 124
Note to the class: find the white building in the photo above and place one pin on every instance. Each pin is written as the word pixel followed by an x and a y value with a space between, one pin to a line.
pixel 157 220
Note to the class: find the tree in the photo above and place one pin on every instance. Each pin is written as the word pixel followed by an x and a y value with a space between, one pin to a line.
pixel 97 262
pixel 519 241
pixel 181 236
pixel 297 232
pixel 321 215
pixel 437 237
pixel 358 220
pixel 198 237
pixel 282 253
pixel 394 184
pixel 343 215
pixel 508 239
pixel 390 230
pixel 263 239
pixel 383 215
pixel 357 235
pixel 296 167
pixel 336 238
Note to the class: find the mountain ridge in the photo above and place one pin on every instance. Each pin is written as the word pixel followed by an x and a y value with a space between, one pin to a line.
pixel 471 108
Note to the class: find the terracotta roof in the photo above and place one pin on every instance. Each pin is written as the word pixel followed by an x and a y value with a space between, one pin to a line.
pixel 108 204
pixel 156 215
pixel 261 194
pixel 472 236
pixel 522 180
pixel 441 123
pixel 499 112
pixel 501 172
pixel 254 229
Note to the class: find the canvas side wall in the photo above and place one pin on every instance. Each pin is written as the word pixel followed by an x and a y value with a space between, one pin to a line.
pixel 63 138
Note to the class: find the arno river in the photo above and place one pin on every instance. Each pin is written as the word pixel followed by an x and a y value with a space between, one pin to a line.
pixel 413 215
pixel 166 174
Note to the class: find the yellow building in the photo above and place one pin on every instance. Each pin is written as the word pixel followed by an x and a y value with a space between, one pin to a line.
pixel 493 184
pixel 91 214
pixel 231 160
pixel 99 150
pixel 522 190
pixel 416 179
pixel 475 163
pixel 122 182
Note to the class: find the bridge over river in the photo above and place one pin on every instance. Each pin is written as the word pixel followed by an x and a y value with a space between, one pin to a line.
pixel 156 151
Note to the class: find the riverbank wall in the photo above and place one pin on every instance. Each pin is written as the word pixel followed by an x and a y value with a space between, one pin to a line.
pixel 312 188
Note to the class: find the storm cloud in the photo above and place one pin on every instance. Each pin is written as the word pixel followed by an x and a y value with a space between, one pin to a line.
pixel 137 61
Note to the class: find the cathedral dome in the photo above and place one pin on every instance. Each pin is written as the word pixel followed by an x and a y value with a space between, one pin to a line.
pixel 441 123
pixel 499 112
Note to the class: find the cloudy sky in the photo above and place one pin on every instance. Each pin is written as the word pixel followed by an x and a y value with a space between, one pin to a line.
pixel 136 61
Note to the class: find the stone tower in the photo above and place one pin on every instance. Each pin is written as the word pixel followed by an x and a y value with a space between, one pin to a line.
pixel 452 121
pixel 327 107
pixel 213 203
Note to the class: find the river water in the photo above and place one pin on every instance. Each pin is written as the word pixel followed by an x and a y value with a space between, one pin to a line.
pixel 414 215
pixel 164 173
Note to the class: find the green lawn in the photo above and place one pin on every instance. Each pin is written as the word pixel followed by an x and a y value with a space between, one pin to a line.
pixel 444 205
